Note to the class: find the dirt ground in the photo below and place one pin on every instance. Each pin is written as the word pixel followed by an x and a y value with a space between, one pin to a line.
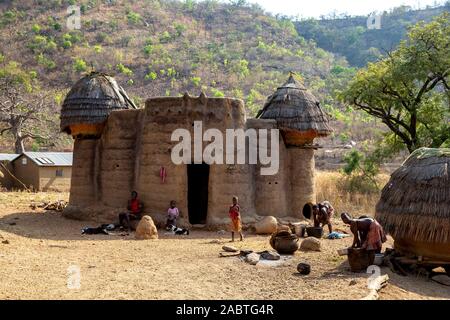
pixel 38 248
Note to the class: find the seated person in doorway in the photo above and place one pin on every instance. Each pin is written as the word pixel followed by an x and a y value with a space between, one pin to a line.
pixel 172 214
pixel 235 216
pixel 322 214
pixel 135 208
pixel 368 234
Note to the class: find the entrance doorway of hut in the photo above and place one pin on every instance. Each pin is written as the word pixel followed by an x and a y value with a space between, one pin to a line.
pixel 198 177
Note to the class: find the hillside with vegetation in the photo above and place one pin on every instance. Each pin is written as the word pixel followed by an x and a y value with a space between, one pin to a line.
pixel 165 48
pixel 349 37
pixel 162 48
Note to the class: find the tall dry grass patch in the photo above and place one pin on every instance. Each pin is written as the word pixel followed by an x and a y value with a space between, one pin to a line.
pixel 333 186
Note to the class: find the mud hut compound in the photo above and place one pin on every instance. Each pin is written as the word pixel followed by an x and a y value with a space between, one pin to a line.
pixel 132 151
pixel 415 205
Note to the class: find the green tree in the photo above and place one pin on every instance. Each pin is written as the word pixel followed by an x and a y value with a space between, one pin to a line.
pixel 409 89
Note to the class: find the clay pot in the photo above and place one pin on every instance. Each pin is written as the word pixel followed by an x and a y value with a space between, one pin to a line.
pixel 284 242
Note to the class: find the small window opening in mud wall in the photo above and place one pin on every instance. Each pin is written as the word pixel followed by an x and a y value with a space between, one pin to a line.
pixel 198 178
pixel 307 210
pixel 59 172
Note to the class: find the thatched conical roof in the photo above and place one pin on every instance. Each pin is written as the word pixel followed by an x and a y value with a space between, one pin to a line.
pixel 92 99
pixel 415 203
pixel 296 110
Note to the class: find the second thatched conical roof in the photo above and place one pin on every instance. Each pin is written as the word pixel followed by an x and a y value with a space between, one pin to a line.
pixel 92 99
pixel 296 109
pixel 415 203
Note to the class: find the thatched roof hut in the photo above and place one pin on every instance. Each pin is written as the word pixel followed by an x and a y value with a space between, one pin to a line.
pixel 89 102
pixel 415 204
pixel 297 112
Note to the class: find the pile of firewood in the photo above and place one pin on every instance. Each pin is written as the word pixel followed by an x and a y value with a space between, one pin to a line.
pixel 55 206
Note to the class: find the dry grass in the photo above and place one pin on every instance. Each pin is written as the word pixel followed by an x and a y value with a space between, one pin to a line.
pixel 23 199
pixel 330 186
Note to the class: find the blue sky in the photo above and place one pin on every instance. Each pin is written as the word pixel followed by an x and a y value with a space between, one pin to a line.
pixel 316 8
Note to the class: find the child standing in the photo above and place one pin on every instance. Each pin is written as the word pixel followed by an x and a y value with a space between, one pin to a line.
pixel 235 216
pixel 172 214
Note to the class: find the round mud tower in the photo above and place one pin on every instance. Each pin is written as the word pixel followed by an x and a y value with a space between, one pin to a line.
pixel 146 229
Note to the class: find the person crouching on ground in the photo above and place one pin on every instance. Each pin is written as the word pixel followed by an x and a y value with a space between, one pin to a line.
pixel 322 214
pixel 368 234
pixel 235 216
pixel 172 214
pixel 135 208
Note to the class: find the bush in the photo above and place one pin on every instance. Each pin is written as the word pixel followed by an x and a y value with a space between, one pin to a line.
pixel 196 81
pixel 79 65
pixel 122 69
pixel 148 49
pixel 98 48
pixel 67 44
pixel 44 61
pixel 133 17
pixel 217 93
pixel 151 76
pixel 36 28
pixel 165 37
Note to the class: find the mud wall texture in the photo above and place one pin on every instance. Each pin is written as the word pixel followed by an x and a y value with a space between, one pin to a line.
pixel 136 147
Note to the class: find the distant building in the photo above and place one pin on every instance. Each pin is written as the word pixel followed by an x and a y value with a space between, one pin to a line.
pixel 40 171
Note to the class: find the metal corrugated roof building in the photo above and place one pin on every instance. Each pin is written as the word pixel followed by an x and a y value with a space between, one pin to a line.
pixel 8 156
pixel 50 159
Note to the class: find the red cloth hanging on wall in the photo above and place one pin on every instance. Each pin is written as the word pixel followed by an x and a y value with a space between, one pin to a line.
pixel 163 174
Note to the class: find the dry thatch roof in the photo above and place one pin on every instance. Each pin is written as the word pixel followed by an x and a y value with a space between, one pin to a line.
pixel 295 108
pixel 415 203
pixel 92 99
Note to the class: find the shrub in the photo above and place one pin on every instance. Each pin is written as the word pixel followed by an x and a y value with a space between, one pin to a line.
pixel 151 76
pixel 36 28
pixel 217 93
pixel 98 48
pixel 148 49
pixel 165 37
pixel 133 17
pixel 79 65
pixel 67 44
pixel 122 69
pixel 196 81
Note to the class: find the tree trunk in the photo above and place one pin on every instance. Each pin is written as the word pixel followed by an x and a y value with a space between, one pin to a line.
pixel 18 141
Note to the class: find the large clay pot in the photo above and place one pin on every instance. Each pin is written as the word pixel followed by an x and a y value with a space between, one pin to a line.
pixel 284 242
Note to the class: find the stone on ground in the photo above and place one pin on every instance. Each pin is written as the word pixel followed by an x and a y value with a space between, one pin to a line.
pixel 270 255
pixel 252 258
pixel 310 244
pixel 267 225
pixel 229 249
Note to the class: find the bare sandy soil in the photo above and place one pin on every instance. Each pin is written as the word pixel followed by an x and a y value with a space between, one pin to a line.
pixel 43 245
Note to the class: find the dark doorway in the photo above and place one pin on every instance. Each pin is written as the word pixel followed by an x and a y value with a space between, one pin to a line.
pixel 307 210
pixel 198 177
